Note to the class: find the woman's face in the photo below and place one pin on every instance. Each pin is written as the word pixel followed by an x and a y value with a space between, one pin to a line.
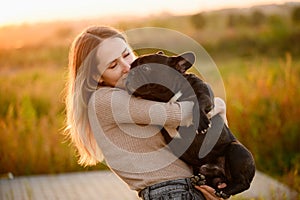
pixel 115 57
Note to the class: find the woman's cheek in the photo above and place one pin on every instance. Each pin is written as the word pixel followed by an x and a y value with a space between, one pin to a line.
pixel 131 59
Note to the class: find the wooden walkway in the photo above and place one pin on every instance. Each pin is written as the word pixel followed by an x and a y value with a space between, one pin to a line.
pixel 104 185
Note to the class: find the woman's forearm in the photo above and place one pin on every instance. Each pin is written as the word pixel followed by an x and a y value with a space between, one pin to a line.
pixel 123 108
pixel 219 108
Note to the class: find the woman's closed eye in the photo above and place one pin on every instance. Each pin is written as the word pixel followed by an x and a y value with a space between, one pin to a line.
pixel 113 65
pixel 126 53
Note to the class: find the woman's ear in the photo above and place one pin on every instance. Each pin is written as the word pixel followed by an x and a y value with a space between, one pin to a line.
pixel 100 82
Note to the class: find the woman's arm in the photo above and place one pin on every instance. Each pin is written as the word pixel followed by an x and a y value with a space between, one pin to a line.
pixel 117 106
pixel 219 108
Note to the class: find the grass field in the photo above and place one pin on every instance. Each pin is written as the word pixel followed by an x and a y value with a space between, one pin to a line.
pixel 262 89
pixel 262 98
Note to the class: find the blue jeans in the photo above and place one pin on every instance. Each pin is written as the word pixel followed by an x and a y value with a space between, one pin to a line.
pixel 180 189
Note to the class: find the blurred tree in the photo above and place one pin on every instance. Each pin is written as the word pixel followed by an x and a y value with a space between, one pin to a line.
pixel 198 21
pixel 235 20
pixel 296 15
pixel 277 23
pixel 231 20
pixel 257 18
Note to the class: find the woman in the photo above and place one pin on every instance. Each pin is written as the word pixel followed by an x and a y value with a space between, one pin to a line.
pixel 104 122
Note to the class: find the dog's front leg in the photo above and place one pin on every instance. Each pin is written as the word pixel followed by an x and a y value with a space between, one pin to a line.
pixel 205 102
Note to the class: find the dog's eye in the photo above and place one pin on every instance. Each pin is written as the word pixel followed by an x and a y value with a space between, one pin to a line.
pixel 146 68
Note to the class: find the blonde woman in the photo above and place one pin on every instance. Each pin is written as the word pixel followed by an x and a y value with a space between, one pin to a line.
pixel 105 123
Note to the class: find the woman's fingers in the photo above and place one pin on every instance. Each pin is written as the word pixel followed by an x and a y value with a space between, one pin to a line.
pixel 208 192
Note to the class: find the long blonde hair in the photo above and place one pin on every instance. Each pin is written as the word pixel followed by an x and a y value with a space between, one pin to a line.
pixel 80 86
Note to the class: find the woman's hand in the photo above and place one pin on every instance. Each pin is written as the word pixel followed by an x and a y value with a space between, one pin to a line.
pixel 209 192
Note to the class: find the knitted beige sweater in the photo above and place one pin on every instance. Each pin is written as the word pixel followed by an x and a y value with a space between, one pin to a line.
pixel 126 129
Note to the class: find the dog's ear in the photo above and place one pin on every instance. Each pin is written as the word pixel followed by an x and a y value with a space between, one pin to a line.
pixel 160 53
pixel 185 61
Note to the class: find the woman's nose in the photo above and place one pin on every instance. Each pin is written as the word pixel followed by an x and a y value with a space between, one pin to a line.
pixel 125 67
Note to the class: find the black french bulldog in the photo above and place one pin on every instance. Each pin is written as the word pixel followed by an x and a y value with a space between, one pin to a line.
pixel 217 155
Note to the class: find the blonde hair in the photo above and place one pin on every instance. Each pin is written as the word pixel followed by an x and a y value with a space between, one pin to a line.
pixel 82 82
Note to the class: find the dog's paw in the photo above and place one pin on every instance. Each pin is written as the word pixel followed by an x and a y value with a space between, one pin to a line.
pixel 198 180
pixel 204 123
pixel 203 131
pixel 221 194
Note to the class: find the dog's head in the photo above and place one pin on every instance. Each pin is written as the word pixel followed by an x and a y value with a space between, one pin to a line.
pixel 158 71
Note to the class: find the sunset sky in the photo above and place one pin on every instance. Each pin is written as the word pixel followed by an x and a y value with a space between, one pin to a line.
pixel 16 11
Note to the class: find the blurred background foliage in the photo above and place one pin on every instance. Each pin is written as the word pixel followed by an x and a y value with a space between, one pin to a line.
pixel 256 50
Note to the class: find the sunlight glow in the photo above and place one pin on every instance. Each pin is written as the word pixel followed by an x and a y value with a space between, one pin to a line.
pixel 15 11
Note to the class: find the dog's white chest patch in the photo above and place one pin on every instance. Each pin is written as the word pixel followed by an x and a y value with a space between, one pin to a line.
pixel 175 97
pixel 173 133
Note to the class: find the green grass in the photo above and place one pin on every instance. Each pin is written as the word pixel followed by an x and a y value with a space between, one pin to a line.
pixel 262 99
pixel 32 121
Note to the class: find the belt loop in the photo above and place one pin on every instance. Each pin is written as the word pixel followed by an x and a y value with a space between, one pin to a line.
pixel 146 193
pixel 190 185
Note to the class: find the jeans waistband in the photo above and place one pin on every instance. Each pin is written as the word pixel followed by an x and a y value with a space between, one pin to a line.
pixel 158 188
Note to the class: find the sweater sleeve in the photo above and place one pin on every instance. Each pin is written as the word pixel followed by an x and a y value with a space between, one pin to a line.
pixel 115 105
pixel 220 108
